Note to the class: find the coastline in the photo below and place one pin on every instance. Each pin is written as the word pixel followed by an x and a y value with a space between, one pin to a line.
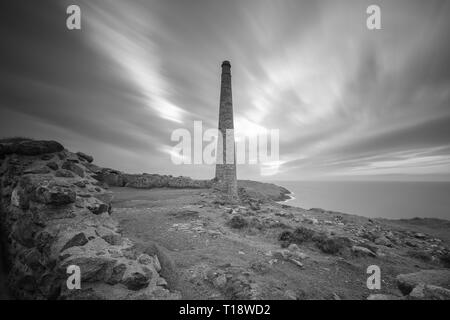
pixel 387 199
pixel 290 195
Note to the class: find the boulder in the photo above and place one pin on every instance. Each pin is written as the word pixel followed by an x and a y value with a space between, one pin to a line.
pixel 99 207
pixel 69 165
pixel 84 156
pixel 363 252
pixel 52 165
pixel 420 235
pixel 55 193
pixel 407 282
pixel 383 241
pixel 429 292
pixel 93 268
pixel 63 173
pixel 19 198
pixel 136 276
pixel 117 273
pixel 78 239
pixel 113 239
pixel 37 170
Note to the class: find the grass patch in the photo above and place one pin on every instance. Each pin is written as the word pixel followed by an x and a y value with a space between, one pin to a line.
pixel 445 260
pixel 298 236
pixel 420 255
pixel 237 222
pixel 332 245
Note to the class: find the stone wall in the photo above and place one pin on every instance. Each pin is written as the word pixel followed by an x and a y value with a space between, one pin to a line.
pixel 116 178
pixel 55 213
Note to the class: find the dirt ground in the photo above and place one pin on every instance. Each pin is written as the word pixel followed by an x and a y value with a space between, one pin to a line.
pixel 204 258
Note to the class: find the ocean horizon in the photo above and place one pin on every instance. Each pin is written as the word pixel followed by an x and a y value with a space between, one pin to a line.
pixel 373 199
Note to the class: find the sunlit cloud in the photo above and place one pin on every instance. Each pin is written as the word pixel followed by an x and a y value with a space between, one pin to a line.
pixel 121 32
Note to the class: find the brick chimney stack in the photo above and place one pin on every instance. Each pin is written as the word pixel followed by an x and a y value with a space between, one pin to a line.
pixel 226 157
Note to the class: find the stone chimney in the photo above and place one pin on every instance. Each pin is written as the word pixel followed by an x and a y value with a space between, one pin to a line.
pixel 226 157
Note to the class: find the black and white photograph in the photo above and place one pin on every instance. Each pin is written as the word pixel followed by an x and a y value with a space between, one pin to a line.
pixel 225 154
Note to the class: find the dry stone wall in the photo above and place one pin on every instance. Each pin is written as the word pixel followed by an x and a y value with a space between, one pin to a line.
pixel 54 213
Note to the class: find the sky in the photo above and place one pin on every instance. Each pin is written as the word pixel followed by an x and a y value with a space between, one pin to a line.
pixel 349 102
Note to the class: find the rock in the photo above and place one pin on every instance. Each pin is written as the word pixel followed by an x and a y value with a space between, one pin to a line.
pixel 255 206
pixel 260 266
pixel 220 281
pixel 116 274
pixel 77 240
pixel 19 199
pixel 111 177
pixel 290 295
pixel 407 282
pixel 93 268
pixel 161 282
pixel 24 231
pixel 295 252
pixel 113 239
pixel 411 244
pixel 299 255
pixel 135 277
pixel 63 173
pixel 383 241
pixel 37 170
pixel 55 193
pixel 362 251
pixel 46 157
pixel 86 157
pixel 93 168
pixel 296 262
pixel 282 254
pixel 69 165
pixel 311 220
pixel 336 296
pixel 429 292
pixel 81 184
pixel 52 165
pixel 419 235
pixel 145 259
pixel 96 206
pixel 156 263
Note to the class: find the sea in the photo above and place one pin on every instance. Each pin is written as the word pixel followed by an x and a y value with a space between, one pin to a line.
pixel 373 199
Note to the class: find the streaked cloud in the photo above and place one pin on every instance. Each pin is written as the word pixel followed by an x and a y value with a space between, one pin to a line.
pixel 348 102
